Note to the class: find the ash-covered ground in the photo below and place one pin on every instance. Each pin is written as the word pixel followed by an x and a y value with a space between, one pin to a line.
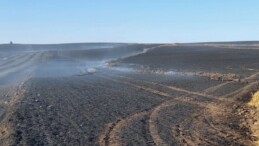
pixel 128 94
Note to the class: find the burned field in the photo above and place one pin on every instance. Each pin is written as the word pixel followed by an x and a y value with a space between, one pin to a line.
pixel 128 94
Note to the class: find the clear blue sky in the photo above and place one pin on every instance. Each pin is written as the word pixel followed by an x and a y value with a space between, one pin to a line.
pixel 63 21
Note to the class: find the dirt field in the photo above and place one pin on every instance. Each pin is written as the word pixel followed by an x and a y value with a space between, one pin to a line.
pixel 129 94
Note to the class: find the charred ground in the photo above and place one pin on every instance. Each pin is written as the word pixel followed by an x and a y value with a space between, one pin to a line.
pixel 141 94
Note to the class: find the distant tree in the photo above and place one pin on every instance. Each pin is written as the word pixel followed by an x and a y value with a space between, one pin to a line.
pixel 11 42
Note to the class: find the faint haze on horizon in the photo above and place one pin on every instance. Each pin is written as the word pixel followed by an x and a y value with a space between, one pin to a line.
pixel 134 21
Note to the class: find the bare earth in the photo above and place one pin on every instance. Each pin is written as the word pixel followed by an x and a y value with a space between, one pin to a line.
pixel 129 94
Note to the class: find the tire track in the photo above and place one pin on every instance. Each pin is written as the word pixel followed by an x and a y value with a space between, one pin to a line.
pixel 154 115
pixel 17 63
pixel 157 140
pixel 12 60
pixel 214 88
pixel 151 90
pixel 116 129
pixel 11 57
pixel 174 88
pixel 240 91
pixel 14 69
pixel 110 135
pixel 154 133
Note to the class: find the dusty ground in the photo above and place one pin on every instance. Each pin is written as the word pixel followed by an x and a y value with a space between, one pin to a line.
pixel 140 94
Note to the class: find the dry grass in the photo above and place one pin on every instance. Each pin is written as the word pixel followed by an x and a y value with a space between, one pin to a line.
pixel 255 99
pixel 219 76
pixel 255 102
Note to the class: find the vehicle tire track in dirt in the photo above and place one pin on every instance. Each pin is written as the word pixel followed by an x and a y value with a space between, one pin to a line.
pixel 108 137
pixel 154 114
pixel 75 102
pixel 113 131
pixel 104 136
pixel 253 76
pixel 154 133
pixel 18 63
pixel 25 65
pixel 110 134
pixel 240 91
pixel 12 59
pixel 156 138
pixel 172 87
pixel 206 92
pixel 137 86
pixel 214 88
pixel 160 93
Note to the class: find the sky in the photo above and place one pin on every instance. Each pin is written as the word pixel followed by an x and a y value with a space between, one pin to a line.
pixel 133 21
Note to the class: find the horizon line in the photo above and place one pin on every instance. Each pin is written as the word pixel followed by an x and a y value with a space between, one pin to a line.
pixel 198 42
